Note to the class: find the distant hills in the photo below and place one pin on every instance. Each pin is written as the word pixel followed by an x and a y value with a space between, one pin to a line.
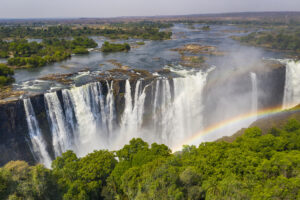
pixel 283 17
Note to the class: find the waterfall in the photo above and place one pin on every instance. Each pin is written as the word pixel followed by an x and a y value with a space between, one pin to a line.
pixel 108 110
pixel 38 143
pixel 292 84
pixel 254 96
pixel 92 122
pixel 163 113
pixel 132 118
pixel 179 115
pixel 127 114
pixel 87 119
pixel 61 137
pixel 68 107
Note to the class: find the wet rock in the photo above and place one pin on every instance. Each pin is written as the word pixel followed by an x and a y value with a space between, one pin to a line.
pixel 13 133
pixel 192 61
pixel 199 49
pixel 164 71
pixel 7 94
pixel 60 78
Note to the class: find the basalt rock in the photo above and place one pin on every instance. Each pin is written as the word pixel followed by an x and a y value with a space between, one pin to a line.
pixel 15 143
pixel 14 140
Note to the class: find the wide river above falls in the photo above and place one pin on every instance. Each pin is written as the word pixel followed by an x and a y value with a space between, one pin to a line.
pixel 152 56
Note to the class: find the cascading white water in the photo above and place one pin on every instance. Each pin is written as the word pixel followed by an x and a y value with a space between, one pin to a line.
pixel 68 107
pixel 126 122
pixel 92 123
pixel 87 120
pixel 254 95
pixel 108 110
pixel 178 116
pixel 132 118
pixel 292 84
pixel 60 133
pixel 37 140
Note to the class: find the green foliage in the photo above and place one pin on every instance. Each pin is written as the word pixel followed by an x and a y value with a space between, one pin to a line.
pixel 83 42
pixel 6 74
pixel 24 54
pixel 254 166
pixel 111 47
pixel 140 43
pixel 206 28
pixel 21 181
pixel 33 54
pixel 292 125
pixel 83 178
pixel 288 40
pixel 143 30
pixel 80 50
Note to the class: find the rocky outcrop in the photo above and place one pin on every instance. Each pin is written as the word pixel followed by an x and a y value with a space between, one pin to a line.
pixel 15 143
pixel 270 84
pixel 199 49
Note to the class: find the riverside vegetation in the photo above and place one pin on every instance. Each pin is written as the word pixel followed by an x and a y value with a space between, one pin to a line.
pixel 255 166
pixel 6 74
pixel 277 39
pixel 144 30
pixel 21 53
pixel 111 47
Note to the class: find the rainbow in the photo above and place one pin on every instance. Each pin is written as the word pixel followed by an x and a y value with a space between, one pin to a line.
pixel 231 122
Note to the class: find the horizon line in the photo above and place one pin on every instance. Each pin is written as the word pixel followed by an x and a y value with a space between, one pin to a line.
pixel 152 16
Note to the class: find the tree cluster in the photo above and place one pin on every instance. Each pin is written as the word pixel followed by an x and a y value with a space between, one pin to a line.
pixel 274 40
pixel 144 30
pixel 33 54
pixel 6 74
pixel 254 166
pixel 112 47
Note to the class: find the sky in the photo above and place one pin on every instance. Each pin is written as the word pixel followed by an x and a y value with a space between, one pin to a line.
pixel 117 8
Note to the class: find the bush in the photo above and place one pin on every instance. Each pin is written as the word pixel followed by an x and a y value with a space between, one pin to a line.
pixel 6 75
pixel 140 43
pixel 80 50
pixel 110 47
pixel 255 166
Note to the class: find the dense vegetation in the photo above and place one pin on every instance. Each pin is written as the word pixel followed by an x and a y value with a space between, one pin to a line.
pixel 111 47
pixel 6 75
pixel 274 39
pixel 144 30
pixel 20 53
pixel 254 166
pixel 206 28
pixel 33 54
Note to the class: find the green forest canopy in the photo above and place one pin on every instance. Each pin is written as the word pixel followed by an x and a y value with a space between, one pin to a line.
pixel 254 166
pixel 112 47
pixel 33 54
pixel 6 74
pixel 144 30
pixel 274 39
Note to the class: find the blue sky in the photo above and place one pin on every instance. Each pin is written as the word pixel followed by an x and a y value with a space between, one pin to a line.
pixel 113 8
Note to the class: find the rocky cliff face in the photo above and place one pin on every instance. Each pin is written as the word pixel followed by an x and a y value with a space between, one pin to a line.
pixel 271 85
pixel 232 95
pixel 15 143
pixel 14 133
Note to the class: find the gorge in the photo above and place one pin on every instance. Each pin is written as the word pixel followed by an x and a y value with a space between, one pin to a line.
pixel 156 99
pixel 107 114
